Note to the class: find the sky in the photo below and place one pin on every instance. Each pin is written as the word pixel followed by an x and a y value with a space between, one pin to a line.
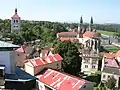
pixel 102 11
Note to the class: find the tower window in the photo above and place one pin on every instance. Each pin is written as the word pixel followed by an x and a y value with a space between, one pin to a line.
pixel 16 21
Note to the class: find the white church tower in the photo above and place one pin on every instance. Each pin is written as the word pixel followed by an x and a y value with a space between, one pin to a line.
pixel 15 22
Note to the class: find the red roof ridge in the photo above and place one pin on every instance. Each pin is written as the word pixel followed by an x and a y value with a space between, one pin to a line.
pixel 45 60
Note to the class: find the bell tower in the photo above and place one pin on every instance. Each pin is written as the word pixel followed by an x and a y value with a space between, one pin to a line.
pixel 80 27
pixel 15 22
pixel 91 24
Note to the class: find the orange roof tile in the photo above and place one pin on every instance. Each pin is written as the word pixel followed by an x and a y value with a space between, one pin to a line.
pixel 67 39
pixel 90 34
pixel 108 55
pixel 117 53
pixel 67 33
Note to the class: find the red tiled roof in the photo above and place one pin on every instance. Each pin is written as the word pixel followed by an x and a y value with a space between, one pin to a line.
pixel 61 81
pixel 20 49
pixel 67 33
pixel 108 55
pixel 111 63
pixel 45 60
pixel 117 53
pixel 90 34
pixel 15 16
pixel 67 39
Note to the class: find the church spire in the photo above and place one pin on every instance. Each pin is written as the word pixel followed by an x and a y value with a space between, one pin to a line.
pixel 15 10
pixel 91 21
pixel 81 20
pixel 91 24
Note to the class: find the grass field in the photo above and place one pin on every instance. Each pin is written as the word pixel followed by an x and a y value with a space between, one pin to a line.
pixel 106 32
pixel 111 48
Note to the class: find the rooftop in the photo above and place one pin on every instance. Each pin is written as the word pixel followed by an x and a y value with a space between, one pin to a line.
pixel 61 81
pixel 90 34
pixel 67 33
pixel 7 45
pixel 45 60
pixel 112 70
pixel 19 76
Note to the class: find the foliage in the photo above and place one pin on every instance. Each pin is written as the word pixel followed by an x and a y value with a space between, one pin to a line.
pixel 95 78
pixel 32 30
pixel 72 62
pixel 111 83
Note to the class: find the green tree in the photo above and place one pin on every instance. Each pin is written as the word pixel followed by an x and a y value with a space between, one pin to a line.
pixel 111 83
pixel 72 62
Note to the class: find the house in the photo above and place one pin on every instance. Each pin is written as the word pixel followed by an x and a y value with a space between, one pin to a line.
pixel 110 67
pixel 90 62
pixel 46 51
pixel 51 79
pixel 35 65
pixel 12 77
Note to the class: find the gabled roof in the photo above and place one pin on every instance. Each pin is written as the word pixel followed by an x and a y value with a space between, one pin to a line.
pixel 20 49
pixel 61 81
pixel 117 54
pixel 111 63
pixel 108 55
pixel 67 33
pixel 7 45
pixel 90 34
pixel 45 60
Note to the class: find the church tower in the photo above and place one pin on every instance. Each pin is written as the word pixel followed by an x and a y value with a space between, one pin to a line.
pixel 15 22
pixel 80 27
pixel 91 24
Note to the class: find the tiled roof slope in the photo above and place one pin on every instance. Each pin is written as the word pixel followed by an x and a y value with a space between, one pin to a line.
pixel 61 81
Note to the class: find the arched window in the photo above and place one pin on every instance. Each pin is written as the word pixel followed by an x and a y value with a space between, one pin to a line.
pixel 16 21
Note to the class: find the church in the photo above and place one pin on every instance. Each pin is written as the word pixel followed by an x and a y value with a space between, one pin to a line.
pixel 90 40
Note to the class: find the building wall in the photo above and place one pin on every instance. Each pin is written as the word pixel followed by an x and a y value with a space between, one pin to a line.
pixel 103 63
pixel 20 57
pixel 42 86
pixel 51 65
pixel 104 77
pixel 29 68
pixel 87 86
pixel 67 36
pixel 7 59
pixel 118 58
pixel 33 71
pixel 92 66
pixel 15 26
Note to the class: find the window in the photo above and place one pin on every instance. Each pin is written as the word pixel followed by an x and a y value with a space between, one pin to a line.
pixel 93 61
pixel 16 21
pixel 86 66
pixel 84 86
pixel 108 76
pixel 93 67
pixel 103 76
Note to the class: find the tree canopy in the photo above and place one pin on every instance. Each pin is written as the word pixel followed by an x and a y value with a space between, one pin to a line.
pixel 72 62
pixel 111 83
